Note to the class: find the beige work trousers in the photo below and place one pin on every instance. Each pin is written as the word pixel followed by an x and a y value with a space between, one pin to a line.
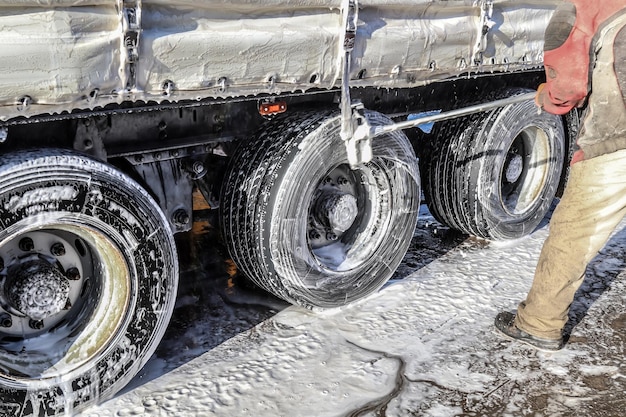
pixel 593 204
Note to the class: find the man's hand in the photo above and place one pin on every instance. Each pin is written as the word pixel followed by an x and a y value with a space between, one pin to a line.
pixel 540 97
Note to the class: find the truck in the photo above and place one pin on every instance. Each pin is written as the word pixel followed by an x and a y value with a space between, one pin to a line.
pixel 311 129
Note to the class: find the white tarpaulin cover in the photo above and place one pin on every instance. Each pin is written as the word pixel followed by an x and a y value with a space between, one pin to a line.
pixel 63 55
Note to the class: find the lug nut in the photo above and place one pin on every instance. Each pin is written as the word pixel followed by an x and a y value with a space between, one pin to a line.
pixel 73 274
pixel 26 244
pixel 6 320
pixel 57 249
pixel 35 324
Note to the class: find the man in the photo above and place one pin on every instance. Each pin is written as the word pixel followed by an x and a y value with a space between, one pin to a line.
pixel 585 58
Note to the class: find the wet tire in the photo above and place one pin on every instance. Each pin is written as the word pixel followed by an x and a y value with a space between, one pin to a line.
pixel 87 285
pixel 494 174
pixel 302 225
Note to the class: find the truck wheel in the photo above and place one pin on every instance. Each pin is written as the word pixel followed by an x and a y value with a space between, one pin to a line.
pixel 495 174
pixel 87 282
pixel 304 226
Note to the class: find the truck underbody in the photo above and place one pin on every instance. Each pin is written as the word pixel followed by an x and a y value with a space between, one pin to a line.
pixel 114 113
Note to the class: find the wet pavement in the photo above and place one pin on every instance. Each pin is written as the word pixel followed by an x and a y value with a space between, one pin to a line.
pixel 391 355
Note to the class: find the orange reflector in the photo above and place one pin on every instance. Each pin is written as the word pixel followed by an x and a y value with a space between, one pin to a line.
pixel 268 109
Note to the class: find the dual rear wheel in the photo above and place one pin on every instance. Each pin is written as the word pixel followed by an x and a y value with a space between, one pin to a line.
pixel 304 226
pixel 495 174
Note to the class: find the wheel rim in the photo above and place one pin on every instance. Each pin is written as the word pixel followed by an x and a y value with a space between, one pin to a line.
pixel 525 171
pixel 77 256
pixel 345 222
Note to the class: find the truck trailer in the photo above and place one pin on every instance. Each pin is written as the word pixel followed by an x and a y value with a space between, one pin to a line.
pixel 312 129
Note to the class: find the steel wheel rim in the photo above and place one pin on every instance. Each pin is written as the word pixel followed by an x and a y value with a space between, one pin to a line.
pixel 353 246
pixel 525 171
pixel 104 290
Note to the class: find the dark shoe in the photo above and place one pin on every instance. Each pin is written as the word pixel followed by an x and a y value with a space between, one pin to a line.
pixel 505 322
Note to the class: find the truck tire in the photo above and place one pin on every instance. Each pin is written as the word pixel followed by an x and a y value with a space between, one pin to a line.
pixel 302 225
pixel 87 285
pixel 494 174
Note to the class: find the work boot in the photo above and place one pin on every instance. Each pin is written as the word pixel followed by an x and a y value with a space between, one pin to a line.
pixel 505 323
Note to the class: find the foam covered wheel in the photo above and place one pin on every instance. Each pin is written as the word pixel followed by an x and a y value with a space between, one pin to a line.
pixel 304 226
pixel 495 174
pixel 88 281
